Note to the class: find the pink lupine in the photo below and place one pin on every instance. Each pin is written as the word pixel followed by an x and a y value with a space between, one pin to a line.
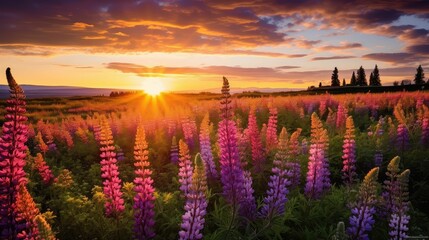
pixel 206 150
pixel 318 166
pixel 425 132
pixel 258 156
pixel 185 168
pixel 196 204
pixel 144 198
pixel 114 205
pixel 341 116
pixel 271 141
pixel 12 160
pixel 349 153
pixel 232 175
pixel 174 151
pixel 189 130
pixel 44 170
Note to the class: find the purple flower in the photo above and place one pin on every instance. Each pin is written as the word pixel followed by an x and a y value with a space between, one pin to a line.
pixel 293 163
pixel 258 156
pixel 185 168
pixel 402 137
pixel 206 150
pixel 271 141
pixel 144 198
pixel 196 204
pixel 174 151
pixel 349 153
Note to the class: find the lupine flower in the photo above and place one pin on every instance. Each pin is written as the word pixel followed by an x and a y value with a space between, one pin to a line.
pixel 362 217
pixel 27 212
pixel 41 144
pixel 341 116
pixel 143 186
pixel 243 147
pixel 402 138
pixel 232 176
pixel 185 168
pixel 293 163
pixel 391 185
pixel 271 139
pixel 247 201
pixel 274 203
pixel 399 218
pixel 187 132
pixel 206 149
pixel 109 172
pixel 82 134
pixel 196 204
pixel 258 157
pixel 318 166
pixel 322 107
pixel 378 158
pixel 43 168
pixel 45 230
pixel 174 151
pixel 64 179
pixel 349 153
pixel 263 134
pixel 12 155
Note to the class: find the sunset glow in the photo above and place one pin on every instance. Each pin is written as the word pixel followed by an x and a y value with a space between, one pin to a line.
pixel 153 86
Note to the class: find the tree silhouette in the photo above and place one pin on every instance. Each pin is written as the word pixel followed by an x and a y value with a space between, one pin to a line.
pixel 344 82
pixel 374 79
pixel 361 77
pixel 353 81
pixel 335 82
pixel 320 84
pixel 420 76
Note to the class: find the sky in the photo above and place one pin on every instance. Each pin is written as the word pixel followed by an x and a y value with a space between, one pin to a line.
pixel 189 45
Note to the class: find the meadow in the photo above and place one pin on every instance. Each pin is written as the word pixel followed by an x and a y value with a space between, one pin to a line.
pixel 207 166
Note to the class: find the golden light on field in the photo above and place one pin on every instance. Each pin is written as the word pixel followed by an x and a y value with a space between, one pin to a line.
pixel 153 86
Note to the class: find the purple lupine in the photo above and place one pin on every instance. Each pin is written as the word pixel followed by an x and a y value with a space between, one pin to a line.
pixel 402 138
pixel 363 210
pixel 247 201
pixel 206 149
pixel 378 158
pixel 232 175
pixel 12 160
pixel 185 168
pixel 196 204
pixel 109 172
pixel 349 153
pixel 274 202
pixel 318 166
pixel 271 139
pixel 258 156
pixel 144 198
pixel 390 187
pixel 189 130
pixel 174 151
pixel 399 217
pixel 293 163
pixel 425 131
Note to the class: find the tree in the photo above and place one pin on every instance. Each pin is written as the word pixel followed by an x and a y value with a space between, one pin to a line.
pixel 420 76
pixel 374 80
pixel 361 77
pixel 320 84
pixel 344 82
pixel 335 82
pixel 353 80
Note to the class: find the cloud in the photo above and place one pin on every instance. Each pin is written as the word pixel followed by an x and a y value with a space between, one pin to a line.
pixel 395 58
pixel 419 49
pixel 332 58
pixel 342 46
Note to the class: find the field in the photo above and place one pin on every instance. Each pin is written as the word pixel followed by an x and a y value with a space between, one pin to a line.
pixel 216 166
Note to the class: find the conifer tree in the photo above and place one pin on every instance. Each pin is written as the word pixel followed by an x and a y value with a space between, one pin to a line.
pixel 374 80
pixel 344 82
pixel 420 76
pixel 361 77
pixel 353 80
pixel 335 82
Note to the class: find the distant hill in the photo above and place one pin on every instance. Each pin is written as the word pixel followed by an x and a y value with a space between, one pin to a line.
pixel 37 91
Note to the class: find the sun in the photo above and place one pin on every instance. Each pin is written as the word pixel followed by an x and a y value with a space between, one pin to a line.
pixel 152 86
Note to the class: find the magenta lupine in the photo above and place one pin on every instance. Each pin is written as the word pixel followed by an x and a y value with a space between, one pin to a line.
pixel 399 217
pixel 206 149
pixel 258 157
pixel 425 131
pixel 363 210
pixel 271 139
pixel 293 162
pixel 318 166
pixel 188 127
pixel 196 204
pixel 349 153
pixel 12 160
pixel 174 151
pixel 185 168
pixel 274 202
pixel 43 169
pixel 144 198
pixel 341 116
pixel 114 205
pixel 232 176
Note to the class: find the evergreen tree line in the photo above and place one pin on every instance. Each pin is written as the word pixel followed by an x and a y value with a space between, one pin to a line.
pixel 359 79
